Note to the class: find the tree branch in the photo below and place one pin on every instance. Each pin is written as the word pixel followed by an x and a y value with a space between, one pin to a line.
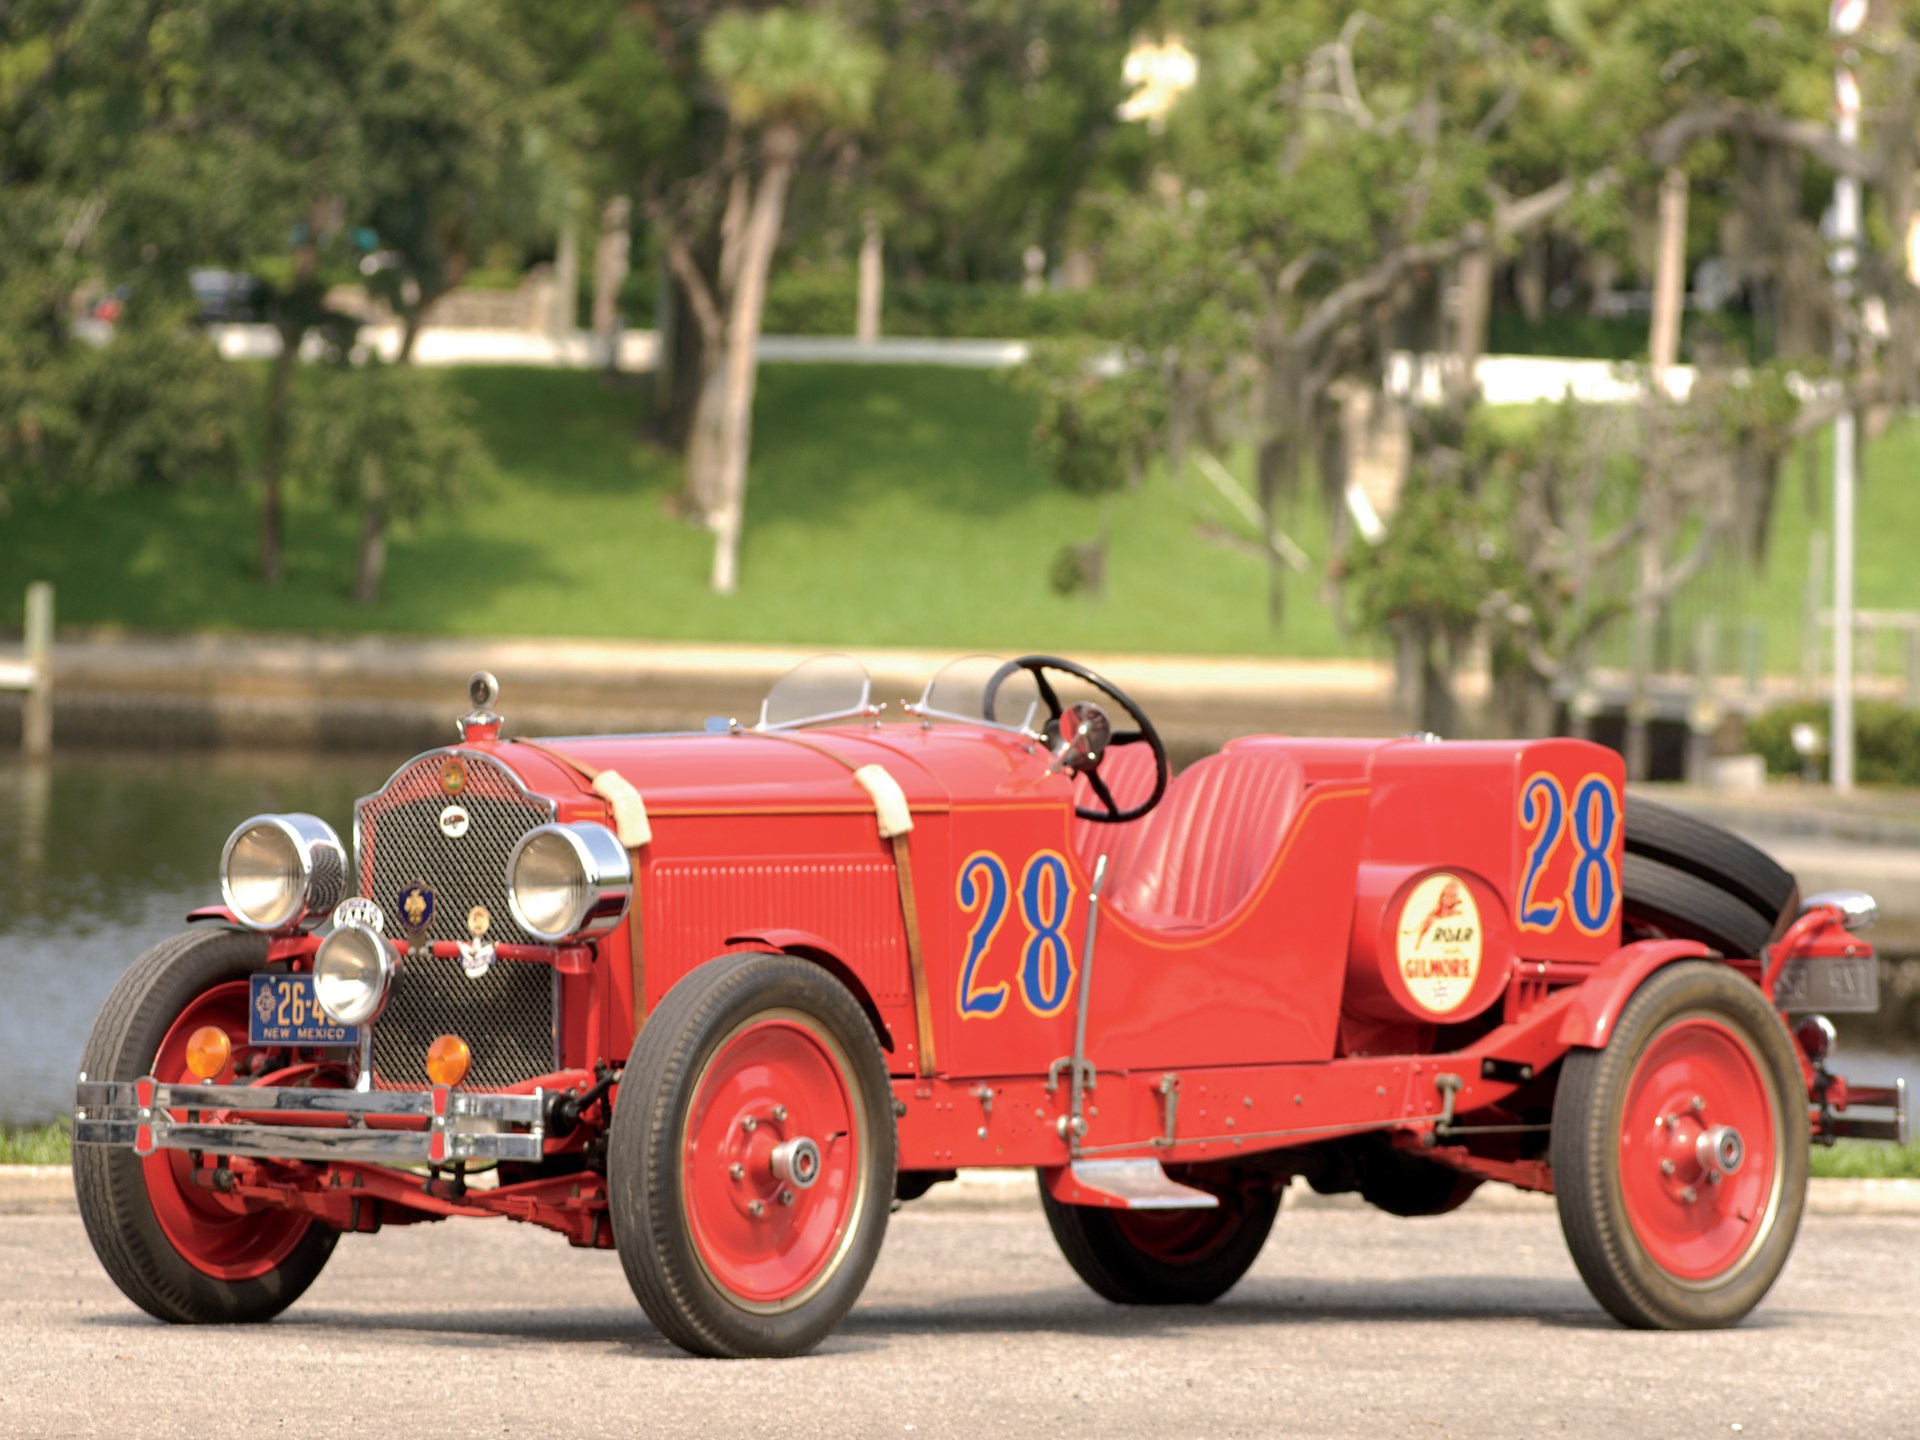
pixel 1677 136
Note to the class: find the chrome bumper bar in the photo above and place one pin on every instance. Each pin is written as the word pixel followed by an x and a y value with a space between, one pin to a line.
pixel 459 1125
pixel 1848 1126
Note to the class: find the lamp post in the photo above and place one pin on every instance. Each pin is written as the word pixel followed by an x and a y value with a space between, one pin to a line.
pixel 1845 18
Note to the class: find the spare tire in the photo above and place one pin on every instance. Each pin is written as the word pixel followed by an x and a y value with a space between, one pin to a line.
pixel 1708 852
pixel 1686 907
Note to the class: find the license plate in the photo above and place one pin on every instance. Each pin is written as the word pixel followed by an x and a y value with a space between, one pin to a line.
pixel 282 1010
pixel 1845 985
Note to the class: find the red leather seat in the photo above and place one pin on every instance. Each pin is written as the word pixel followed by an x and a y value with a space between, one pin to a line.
pixel 1201 851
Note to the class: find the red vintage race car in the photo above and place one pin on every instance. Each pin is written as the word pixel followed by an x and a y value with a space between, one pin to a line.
pixel 719 1001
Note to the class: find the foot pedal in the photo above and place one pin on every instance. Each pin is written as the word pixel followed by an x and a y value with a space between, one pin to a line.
pixel 1124 1185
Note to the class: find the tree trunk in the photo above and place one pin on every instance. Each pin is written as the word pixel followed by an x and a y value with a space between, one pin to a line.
pixel 1470 322
pixel 781 148
pixel 872 279
pixel 373 535
pixel 1669 275
pixel 1646 624
pixel 566 279
pixel 273 458
pixel 610 265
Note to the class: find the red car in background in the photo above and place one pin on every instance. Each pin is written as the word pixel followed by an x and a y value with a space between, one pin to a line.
pixel 718 1001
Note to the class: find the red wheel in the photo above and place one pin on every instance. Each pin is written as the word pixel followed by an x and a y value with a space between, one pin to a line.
pixel 214 1233
pixel 1164 1257
pixel 182 1251
pixel 774 1161
pixel 751 1162
pixel 1680 1152
pixel 1700 1150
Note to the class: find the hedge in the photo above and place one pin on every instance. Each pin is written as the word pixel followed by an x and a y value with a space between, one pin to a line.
pixel 1886 739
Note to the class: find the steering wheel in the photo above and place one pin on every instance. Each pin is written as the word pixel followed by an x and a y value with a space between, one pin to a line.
pixel 1110 812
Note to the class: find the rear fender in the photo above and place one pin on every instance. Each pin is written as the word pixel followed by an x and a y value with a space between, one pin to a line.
pixel 804 945
pixel 1597 1005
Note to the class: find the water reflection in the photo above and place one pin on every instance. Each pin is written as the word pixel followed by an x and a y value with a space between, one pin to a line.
pixel 102 856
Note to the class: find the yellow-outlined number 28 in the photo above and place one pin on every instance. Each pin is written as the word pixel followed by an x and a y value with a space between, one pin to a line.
pixel 1046 970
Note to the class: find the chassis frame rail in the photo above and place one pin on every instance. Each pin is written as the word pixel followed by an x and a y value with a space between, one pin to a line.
pixel 455 1125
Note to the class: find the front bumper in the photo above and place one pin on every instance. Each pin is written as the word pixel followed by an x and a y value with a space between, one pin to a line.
pixel 380 1127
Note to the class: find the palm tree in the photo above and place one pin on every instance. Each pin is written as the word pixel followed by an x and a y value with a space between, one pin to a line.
pixel 786 76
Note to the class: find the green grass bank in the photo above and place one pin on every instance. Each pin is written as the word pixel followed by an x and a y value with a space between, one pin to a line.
pixel 886 506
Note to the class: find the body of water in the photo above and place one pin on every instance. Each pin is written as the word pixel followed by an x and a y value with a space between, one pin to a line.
pixel 102 856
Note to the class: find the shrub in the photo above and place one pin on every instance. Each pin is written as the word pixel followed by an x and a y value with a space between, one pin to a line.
pixel 1886 739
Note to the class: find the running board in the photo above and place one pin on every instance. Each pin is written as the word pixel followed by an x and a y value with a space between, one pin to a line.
pixel 1123 1185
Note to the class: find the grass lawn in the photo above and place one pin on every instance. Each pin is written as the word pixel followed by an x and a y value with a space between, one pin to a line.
pixel 886 506
pixel 40 1145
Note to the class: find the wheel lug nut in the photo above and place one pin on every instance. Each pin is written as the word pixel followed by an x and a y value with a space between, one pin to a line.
pixel 749 1124
pixel 1699 1103
pixel 736 1171
pixel 1689 1195
pixel 786 1197
pixel 756 1209
pixel 779 1113
pixel 1666 1167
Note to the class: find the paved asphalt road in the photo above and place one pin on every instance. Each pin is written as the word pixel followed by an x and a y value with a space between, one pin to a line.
pixel 1352 1324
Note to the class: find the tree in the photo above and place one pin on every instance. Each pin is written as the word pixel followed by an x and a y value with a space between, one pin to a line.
pixel 1098 424
pixel 786 75
pixel 147 401
pixel 388 440
pixel 461 152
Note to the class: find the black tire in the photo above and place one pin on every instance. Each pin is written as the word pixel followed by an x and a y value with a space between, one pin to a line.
pixel 111 1182
pixel 1686 907
pixel 1713 854
pixel 653 1199
pixel 1164 1257
pixel 1623 1213
pixel 1412 1186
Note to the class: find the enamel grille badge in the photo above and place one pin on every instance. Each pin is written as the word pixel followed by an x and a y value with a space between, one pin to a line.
pixel 1439 943
pixel 415 907
pixel 453 776
pixel 454 821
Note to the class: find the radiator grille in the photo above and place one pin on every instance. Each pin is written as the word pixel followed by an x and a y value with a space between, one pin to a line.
pixel 507 1016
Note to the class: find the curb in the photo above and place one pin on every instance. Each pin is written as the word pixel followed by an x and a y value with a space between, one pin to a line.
pixel 48 1190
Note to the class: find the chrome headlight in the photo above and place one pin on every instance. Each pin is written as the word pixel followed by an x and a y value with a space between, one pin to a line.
pixel 565 881
pixel 352 973
pixel 282 870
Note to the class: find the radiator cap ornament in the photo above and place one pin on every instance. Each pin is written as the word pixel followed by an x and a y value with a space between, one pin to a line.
pixel 481 723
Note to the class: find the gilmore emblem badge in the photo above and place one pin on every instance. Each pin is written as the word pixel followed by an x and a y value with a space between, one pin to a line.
pixel 416 906
pixel 454 821
pixel 477 954
pixel 1439 943
pixel 453 776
